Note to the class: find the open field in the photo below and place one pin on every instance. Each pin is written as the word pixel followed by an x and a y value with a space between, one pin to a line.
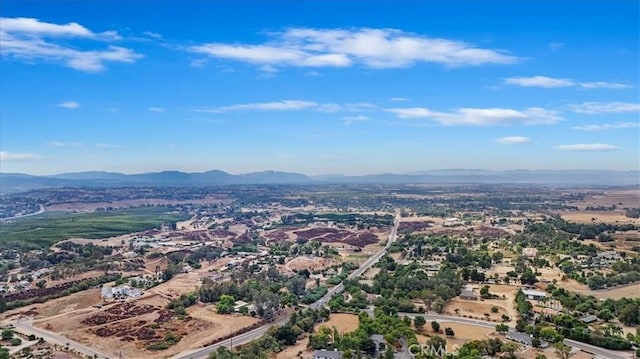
pixel 612 217
pixel 45 230
pixel 341 321
pixel 618 198
pixel 463 334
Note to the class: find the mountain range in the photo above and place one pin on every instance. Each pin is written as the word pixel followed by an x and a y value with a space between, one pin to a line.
pixel 16 182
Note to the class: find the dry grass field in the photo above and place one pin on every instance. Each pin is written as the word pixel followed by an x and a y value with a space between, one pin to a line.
pixel 612 217
pixel 463 334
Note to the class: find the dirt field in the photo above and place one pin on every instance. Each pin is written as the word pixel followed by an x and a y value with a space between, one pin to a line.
pixel 312 264
pixel 131 326
pixel 477 309
pixel 463 334
pixel 629 291
pixel 621 199
pixel 343 322
pixel 599 217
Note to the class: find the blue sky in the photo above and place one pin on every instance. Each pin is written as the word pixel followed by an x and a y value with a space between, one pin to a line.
pixel 318 86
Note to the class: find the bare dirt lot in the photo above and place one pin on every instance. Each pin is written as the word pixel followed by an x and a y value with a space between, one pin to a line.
pixel 131 326
pixel 310 263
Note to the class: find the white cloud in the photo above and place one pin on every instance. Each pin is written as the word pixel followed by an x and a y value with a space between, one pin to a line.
pixel 552 82
pixel 594 108
pixel 481 116
pixel 69 104
pixel 108 146
pixel 353 119
pixel 286 105
pixel 64 144
pixel 539 81
pixel 157 109
pixel 12 156
pixel 513 140
pixel 293 105
pixel 31 40
pixel 587 147
pixel 36 27
pixel 607 126
pixel 398 99
pixel 152 34
pixel 373 48
pixel 605 85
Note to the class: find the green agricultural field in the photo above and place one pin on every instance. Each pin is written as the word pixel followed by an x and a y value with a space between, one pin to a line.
pixel 47 229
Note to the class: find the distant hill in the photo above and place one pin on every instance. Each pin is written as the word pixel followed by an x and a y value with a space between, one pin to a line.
pixel 16 182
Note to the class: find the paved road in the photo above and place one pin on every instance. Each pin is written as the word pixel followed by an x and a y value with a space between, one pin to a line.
pixel 363 267
pixel 605 353
pixel 235 341
pixel 26 326
pixel 258 332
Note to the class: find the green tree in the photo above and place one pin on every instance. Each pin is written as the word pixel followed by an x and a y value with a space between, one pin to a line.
pixel 435 326
pixel 449 332
pixel 419 322
pixel 562 351
pixel 7 334
pixel 225 304
pixel 502 328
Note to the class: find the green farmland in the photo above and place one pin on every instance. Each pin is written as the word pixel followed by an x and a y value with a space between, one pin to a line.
pixel 47 229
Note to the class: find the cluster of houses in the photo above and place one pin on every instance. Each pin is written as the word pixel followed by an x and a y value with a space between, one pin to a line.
pixel 120 292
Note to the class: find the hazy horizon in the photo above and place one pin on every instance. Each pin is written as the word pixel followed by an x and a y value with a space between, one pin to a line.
pixel 318 87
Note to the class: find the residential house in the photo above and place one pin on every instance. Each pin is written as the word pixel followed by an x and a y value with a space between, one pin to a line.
pixel 534 294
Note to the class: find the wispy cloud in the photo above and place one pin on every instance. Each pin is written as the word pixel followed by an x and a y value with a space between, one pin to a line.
pixel 31 40
pixel 587 147
pixel 108 146
pixel 13 156
pixel 285 105
pixel 152 34
pixel 292 105
pixel 607 126
pixel 398 99
pixel 481 116
pixel 353 119
pixel 595 108
pixel 538 81
pixel 513 140
pixel 372 48
pixel 552 82
pixel 157 109
pixel 69 104
pixel 64 144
